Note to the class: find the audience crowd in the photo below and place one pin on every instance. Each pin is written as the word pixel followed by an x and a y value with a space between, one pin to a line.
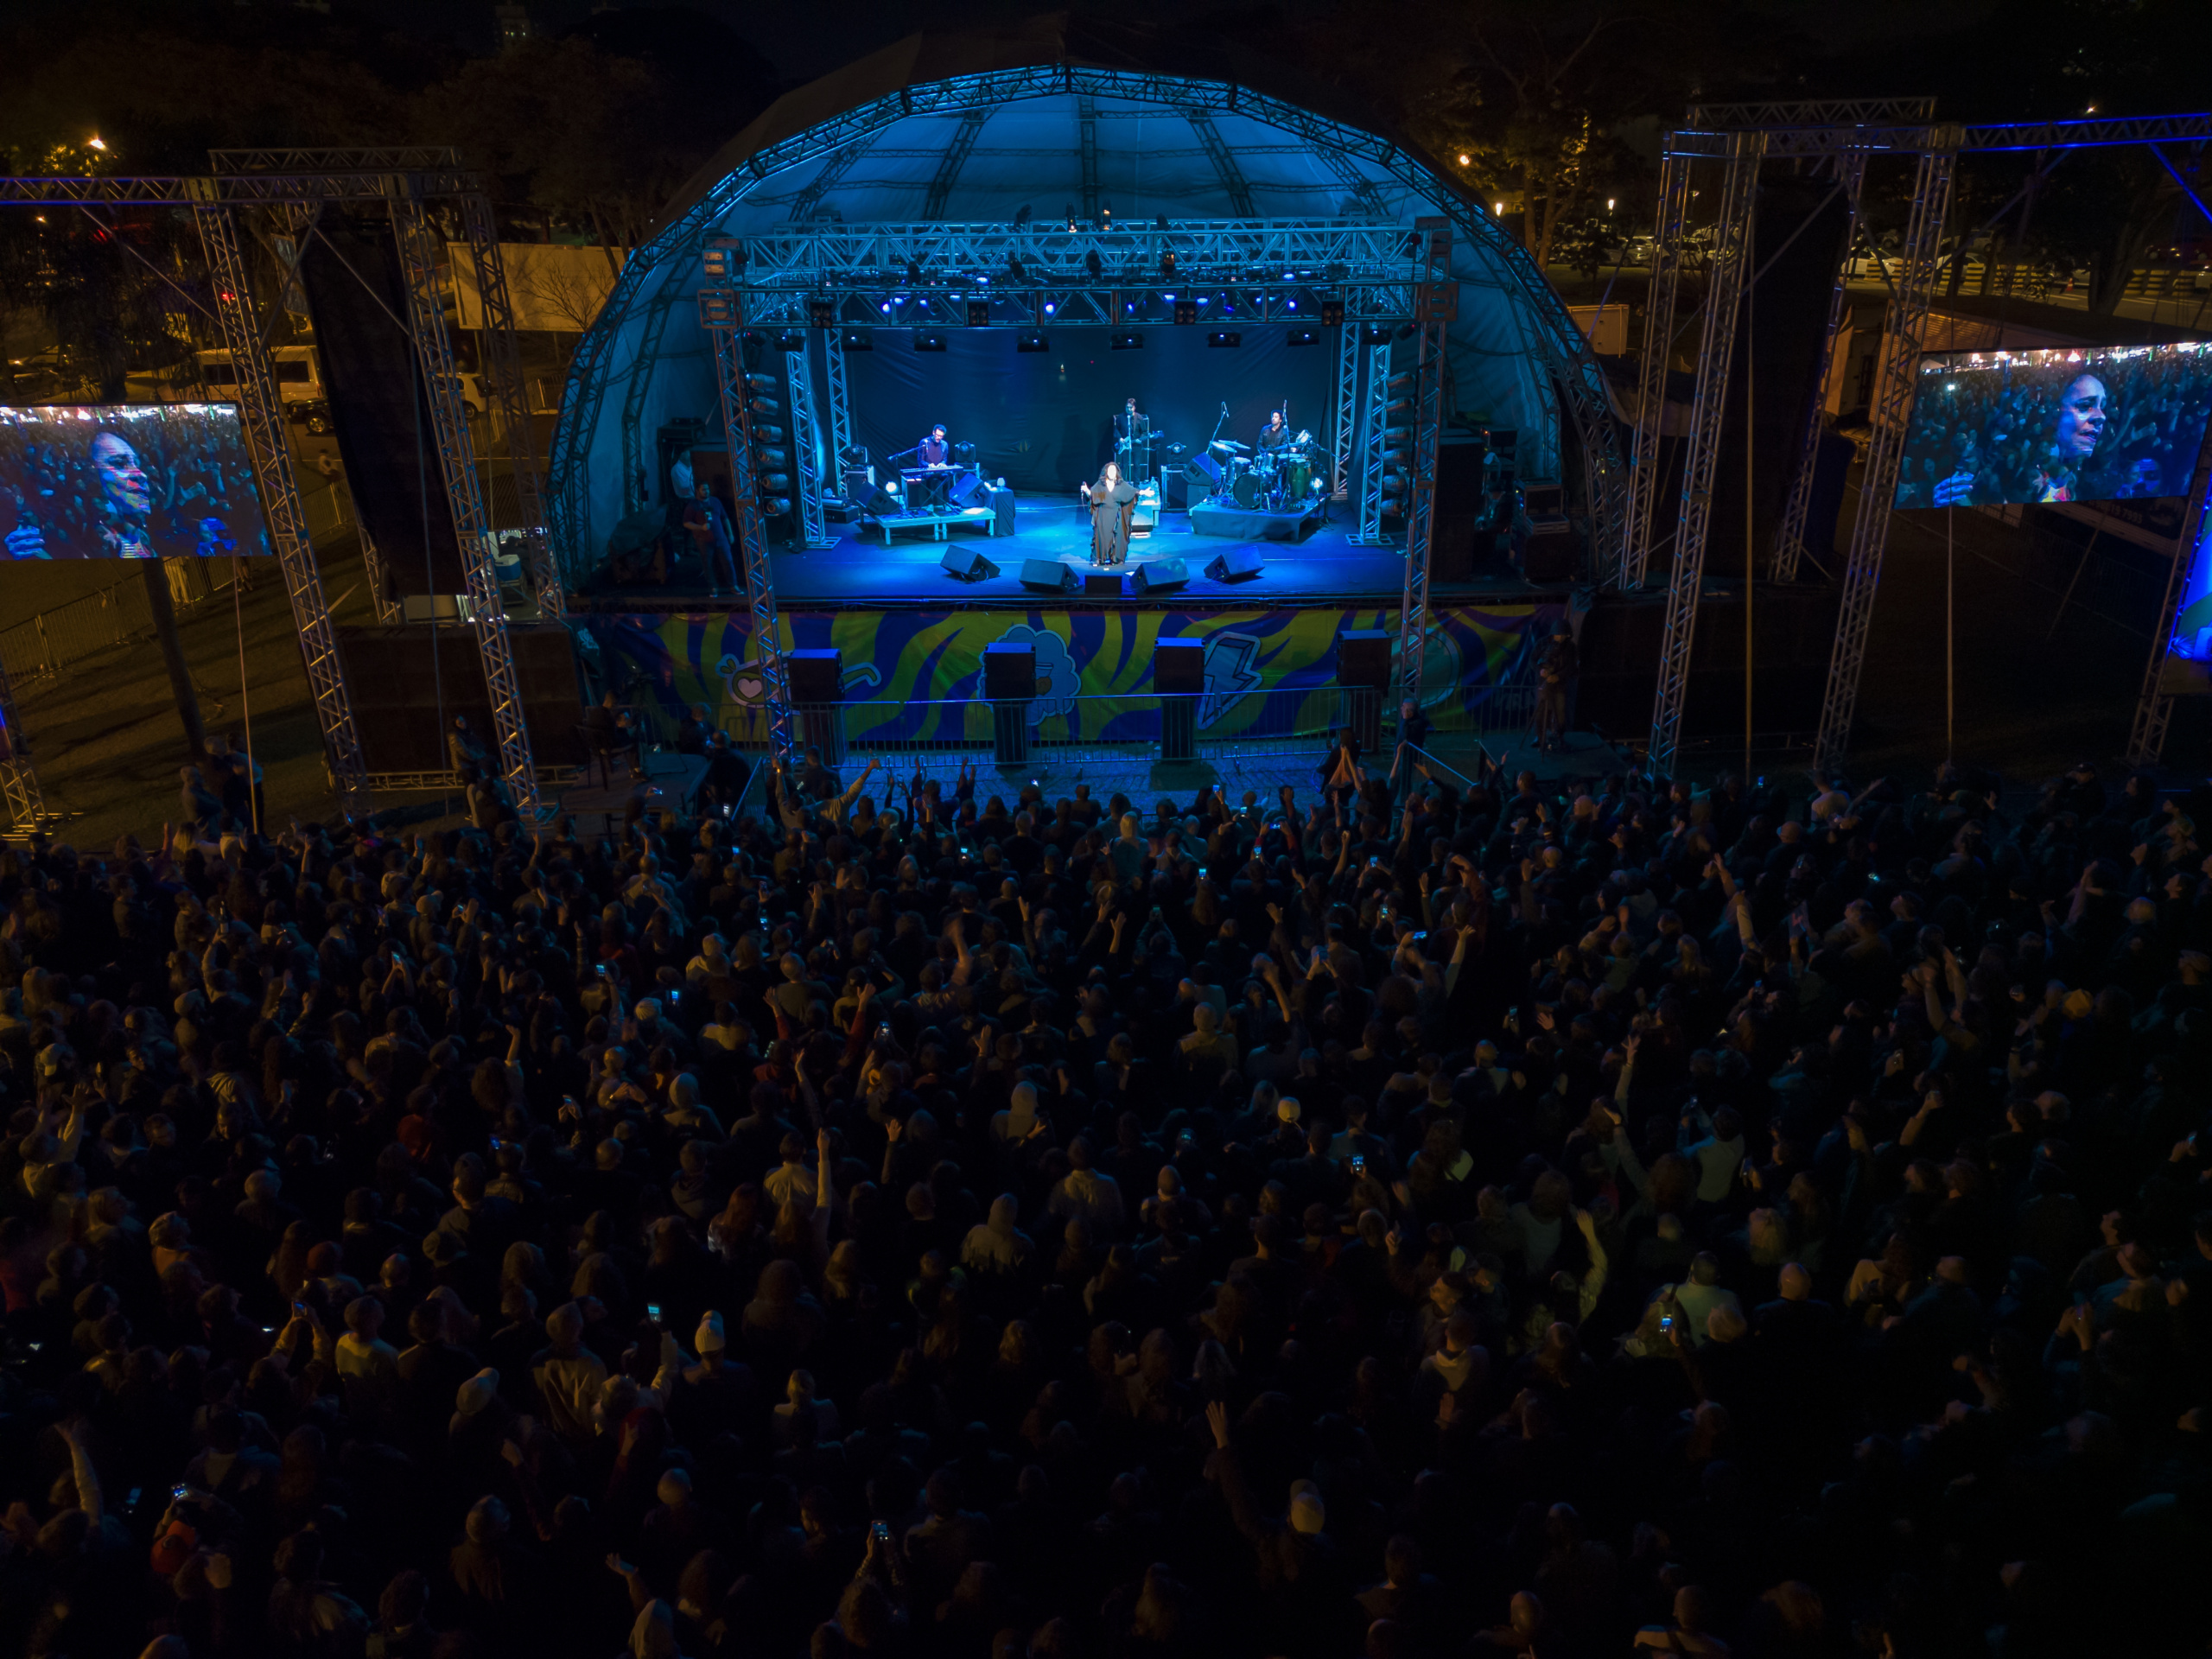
pixel 1451 1219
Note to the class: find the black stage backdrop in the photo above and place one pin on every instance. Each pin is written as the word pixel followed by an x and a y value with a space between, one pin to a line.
pixel 1043 419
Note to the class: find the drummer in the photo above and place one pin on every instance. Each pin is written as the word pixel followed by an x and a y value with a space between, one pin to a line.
pixel 1274 434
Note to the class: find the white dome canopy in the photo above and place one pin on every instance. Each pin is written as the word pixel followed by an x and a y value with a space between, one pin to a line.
pixel 1035 122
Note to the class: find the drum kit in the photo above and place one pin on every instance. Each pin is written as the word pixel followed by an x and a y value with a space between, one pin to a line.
pixel 1274 481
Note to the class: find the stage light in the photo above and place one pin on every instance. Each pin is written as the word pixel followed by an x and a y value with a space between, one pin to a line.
pixel 1106 215
pixel 1014 272
pixel 1333 313
pixel 1128 340
pixel 721 259
pixel 822 313
pixel 1022 215
pixel 1375 334
pixel 885 307
pixel 1050 306
pixel 1304 337
pixel 1032 342
pixel 979 313
pixel 928 339
pixel 1167 262
pixel 1291 304
pixel 1161 220
pixel 96 142
pixel 1092 263
pixel 1187 311
pixel 1224 337
pixel 859 339
pixel 1463 160
pixel 790 340
pixel 913 273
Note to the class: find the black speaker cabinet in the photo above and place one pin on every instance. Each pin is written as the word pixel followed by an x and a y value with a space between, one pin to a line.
pixel 1103 584
pixel 1047 576
pixel 1235 564
pixel 1179 667
pixel 816 676
pixel 1363 657
pixel 1157 576
pixel 968 564
pixel 1009 673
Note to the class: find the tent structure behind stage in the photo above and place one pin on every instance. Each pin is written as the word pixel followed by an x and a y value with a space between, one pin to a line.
pixel 1028 125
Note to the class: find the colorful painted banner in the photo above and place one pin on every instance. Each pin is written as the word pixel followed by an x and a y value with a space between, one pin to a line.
pixel 914 676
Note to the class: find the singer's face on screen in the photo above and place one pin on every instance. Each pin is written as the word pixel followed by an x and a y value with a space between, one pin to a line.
pixel 122 480
pixel 2080 415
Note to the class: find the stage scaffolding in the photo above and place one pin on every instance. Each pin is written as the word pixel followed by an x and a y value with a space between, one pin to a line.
pixel 1840 136
pixel 1564 357
pixel 297 184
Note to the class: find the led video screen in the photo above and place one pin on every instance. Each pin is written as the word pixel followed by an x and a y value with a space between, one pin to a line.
pixel 2072 423
pixel 127 481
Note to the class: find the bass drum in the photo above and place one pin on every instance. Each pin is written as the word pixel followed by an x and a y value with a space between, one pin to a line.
pixel 1248 490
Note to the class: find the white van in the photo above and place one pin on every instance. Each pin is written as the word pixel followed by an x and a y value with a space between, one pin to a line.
pixel 299 377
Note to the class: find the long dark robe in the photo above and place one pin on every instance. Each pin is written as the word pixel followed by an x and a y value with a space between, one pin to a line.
pixel 1111 507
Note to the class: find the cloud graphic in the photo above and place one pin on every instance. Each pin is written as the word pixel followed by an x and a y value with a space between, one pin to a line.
pixel 1057 682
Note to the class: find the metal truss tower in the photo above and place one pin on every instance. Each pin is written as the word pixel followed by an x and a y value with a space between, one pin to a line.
pixel 503 381
pixel 1644 469
pixel 18 781
pixel 721 314
pixel 261 412
pixel 1906 329
pixel 1437 307
pixel 841 402
pixel 1731 274
pixel 1370 449
pixel 419 248
pixel 1789 536
pixel 1343 430
pixel 2154 709
pixel 806 450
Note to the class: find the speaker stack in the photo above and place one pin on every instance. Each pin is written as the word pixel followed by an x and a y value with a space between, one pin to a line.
pixel 1009 686
pixel 1179 674
pixel 1363 672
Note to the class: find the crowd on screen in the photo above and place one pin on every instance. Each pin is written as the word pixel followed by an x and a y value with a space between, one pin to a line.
pixel 1998 427
pixel 1452 1217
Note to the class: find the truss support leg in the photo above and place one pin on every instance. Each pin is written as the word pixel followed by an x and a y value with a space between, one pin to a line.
pixel 1370 448
pixel 1731 260
pixel 806 450
pixel 419 247
pixel 1644 470
pixel 1436 306
pixel 1902 335
pixel 18 782
pixel 1343 434
pixel 721 314
pixel 510 402
pixel 261 413
pixel 840 402
pixel 2154 709
pixel 1789 537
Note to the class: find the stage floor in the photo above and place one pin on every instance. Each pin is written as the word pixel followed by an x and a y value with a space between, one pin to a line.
pixel 1322 568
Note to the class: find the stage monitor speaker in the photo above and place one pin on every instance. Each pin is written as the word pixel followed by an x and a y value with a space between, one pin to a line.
pixel 1102 584
pixel 970 491
pixel 1159 575
pixel 1048 575
pixel 968 564
pixel 1363 657
pixel 1235 564
pixel 871 497
pixel 379 409
pixel 816 676
pixel 1179 667
pixel 407 683
pixel 1544 501
pixel 1549 555
pixel 1009 673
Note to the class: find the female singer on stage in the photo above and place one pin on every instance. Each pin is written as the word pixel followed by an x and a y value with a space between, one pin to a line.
pixel 1112 500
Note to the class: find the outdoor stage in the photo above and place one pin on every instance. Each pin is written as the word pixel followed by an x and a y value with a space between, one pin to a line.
pixel 1322 568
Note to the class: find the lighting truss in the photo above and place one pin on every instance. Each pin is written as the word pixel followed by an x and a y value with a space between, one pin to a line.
pixel 636 382
pixel 1731 274
pixel 503 382
pixel 1814 112
pixel 18 780
pixel 2092 132
pixel 1564 357
pixel 840 401
pixel 1149 305
pixel 721 314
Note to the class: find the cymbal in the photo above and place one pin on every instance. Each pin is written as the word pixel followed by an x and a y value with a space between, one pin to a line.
pixel 1229 447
